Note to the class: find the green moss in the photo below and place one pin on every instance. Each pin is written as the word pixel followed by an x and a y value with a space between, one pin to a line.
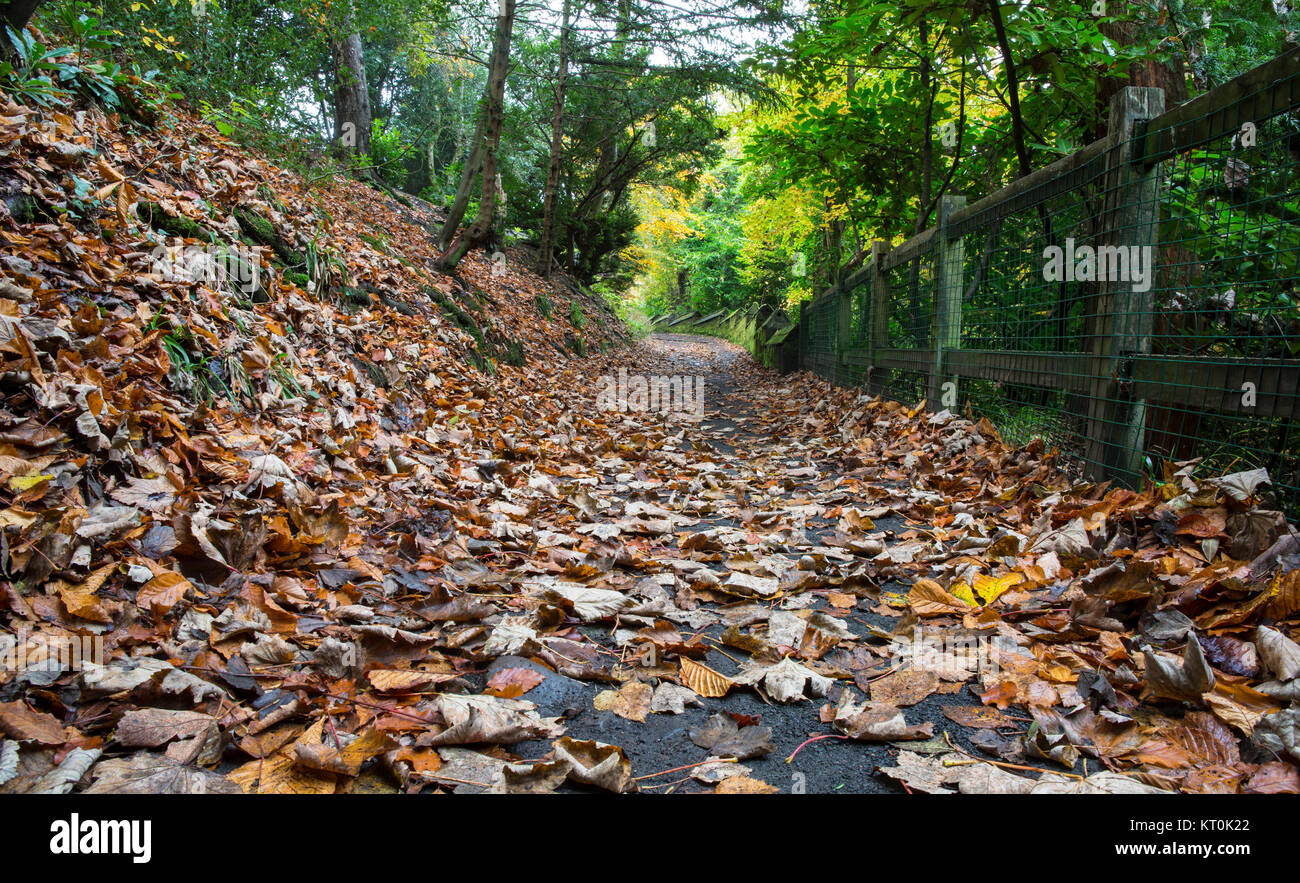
pixel 487 351
pixel 357 296
pixel 462 319
pixel 576 319
pixel 469 299
pixel 377 242
pixel 387 299
pixel 22 208
pixel 152 214
pixel 262 231
pixel 256 226
pixel 512 352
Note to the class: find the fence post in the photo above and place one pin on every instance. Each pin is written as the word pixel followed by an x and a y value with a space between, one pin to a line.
pixel 843 327
pixel 804 339
pixel 1124 314
pixel 878 327
pixel 948 260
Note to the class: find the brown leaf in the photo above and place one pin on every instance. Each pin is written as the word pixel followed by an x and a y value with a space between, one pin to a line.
pixel 978 718
pixel 723 737
pixel 1274 778
pixel 879 722
pixel 904 687
pixel 605 766
pixel 510 683
pixel 386 680
pixel 162 593
pixel 928 598
pixel 151 727
pixel 1169 680
pixel 744 785
pixel 631 702
pixel 22 724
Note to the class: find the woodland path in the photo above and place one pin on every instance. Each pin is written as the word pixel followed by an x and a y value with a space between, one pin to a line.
pixel 736 438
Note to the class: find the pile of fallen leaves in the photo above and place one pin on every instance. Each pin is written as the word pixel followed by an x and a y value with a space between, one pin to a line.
pixel 203 477
pixel 1152 631
pixel 360 525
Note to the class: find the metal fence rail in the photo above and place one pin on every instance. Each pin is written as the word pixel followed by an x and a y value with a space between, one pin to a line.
pixel 1135 303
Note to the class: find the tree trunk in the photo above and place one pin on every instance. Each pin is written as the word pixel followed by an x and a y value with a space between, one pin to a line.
pixel 16 15
pixel 557 144
pixel 468 175
pixel 1173 79
pixel 477 233
pixel 1013 89
pixel 351 94
pixel 1061 311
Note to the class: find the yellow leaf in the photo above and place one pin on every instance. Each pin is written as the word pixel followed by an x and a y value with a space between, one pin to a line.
pixel 962 591
pixel 106 189
pixel 81 600
pixel 631 702
pixel 703 680
pixel 20 483
pixel 278 774
pixel 311 753
pixel 990 588
pixel 744 785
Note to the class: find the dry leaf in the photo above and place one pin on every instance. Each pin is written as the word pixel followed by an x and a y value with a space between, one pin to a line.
pixel 702 679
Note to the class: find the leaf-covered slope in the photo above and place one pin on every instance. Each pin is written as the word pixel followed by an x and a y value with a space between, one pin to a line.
pixel 227 387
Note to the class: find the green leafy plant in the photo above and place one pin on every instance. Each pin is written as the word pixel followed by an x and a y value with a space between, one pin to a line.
pixel 192 373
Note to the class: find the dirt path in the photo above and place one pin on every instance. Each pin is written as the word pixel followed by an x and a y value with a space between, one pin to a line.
pixel 742 444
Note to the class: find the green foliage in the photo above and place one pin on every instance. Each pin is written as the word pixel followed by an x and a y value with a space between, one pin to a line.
pixel 247 121
pixel 886 105
pixel 696 170
pixel 192 372
pixel 48 77
pixel 389 150
pixel 543 304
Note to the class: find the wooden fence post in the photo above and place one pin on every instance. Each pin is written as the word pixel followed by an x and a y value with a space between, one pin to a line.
pixel 1123 309
pixel 878 317
pixel 948 259
pixel 843 326
pixel 803 339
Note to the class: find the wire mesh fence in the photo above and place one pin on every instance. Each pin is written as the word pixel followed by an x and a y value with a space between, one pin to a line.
pixel 1134 304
